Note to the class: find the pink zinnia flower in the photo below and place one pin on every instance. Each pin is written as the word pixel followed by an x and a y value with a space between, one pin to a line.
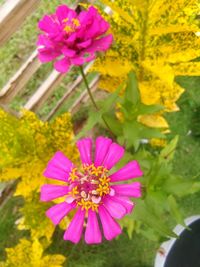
pixel 91 190
pixel 72 38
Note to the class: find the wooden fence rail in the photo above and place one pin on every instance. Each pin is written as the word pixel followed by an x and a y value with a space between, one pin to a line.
pixel 12 15
pixel 20 79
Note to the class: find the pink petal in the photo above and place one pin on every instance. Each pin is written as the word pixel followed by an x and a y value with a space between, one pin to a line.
pixel 102 147
pixel 124 201
pixel 75 229
pixel 78 61
pixel 128 190
pixel 53 172
pixel 62 65
pixel 43 40
pixel 57 212
pixel 72 37
pixel 86 17
pixel 111 228
pixel 92 233
pixel 60 161
pixel 46 55
pixel 104 25
pixel 92 30
pixel 84 44
pixel 85 149
pixel 68 52
pixel 115 209
pixel 114 154
pixel 64 12
pixel 47 24
pixel 82 17
pixel 58 167
pixel 130 170
pixel 101 44
pixel 50 192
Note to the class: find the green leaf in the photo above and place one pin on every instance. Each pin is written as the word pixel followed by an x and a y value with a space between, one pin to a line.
pixel 131 134
pixel 148 133
pixel 93 119
pixel 132 93
pixel 147 216
pixel 177 186
pixel 150 234
pixel 107 104
pixel 149 109
pixel 173 206
pixel 158 175
pixel 113 123
pixel 129 223
pixel 168 152
pixel 195 187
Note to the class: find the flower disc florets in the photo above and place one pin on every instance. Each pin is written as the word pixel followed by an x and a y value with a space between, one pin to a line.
pixel 89 187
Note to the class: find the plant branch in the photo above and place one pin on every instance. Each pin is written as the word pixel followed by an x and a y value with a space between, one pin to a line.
pixel 93 101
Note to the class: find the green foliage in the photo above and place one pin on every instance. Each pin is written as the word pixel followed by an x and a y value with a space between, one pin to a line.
pixel 98 117
pixel 162 187
pixel 126 126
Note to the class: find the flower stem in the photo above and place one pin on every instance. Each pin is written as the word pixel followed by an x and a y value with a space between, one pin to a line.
pixel 88 88
pixel 93 101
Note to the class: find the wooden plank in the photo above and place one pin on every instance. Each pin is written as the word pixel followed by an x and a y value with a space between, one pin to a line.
pixel 44 91
pixel 70 91
pixel 20 78
pixel 84 96
pixel 12 15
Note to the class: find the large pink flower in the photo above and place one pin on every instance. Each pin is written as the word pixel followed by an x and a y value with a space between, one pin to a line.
pixel 91 190
pixel 72 38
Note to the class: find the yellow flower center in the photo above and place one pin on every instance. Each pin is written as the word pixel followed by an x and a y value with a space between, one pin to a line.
pixel 70 25
pixel 89 186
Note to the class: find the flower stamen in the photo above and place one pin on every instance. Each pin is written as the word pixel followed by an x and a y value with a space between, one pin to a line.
pixel 90 186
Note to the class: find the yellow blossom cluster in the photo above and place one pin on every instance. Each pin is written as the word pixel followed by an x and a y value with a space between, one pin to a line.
pixel 27 144
pixel 30 254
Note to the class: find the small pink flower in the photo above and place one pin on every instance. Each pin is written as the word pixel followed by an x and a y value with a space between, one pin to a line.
pixel 72 38
pixel 91 190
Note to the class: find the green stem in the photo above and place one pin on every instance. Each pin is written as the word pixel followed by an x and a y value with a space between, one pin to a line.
pixel 88 88
pixel 93 101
